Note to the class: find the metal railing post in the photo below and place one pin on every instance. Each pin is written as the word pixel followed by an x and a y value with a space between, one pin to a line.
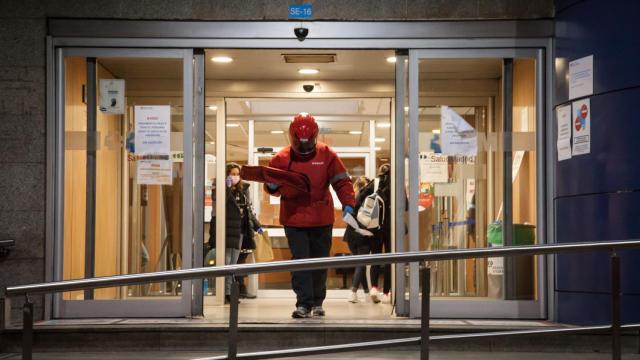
pixel 616 348
pixel 425 313
pixel 27 329
pixel 232 349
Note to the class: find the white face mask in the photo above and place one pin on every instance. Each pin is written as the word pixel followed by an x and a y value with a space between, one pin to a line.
pixel 235 179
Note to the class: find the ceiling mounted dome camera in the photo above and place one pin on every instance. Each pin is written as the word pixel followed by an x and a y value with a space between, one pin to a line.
pixel 308 87
pixel 301 33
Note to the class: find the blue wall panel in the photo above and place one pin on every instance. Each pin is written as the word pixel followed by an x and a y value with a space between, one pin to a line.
pixel 594 309
pixel 597 218
pixel 614 161
pixel 597 196
pixel 609 31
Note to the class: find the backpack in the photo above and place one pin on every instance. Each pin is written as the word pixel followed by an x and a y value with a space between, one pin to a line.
pixel 371 213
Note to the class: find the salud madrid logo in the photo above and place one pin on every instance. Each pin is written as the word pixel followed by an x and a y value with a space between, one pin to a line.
pixel 581 118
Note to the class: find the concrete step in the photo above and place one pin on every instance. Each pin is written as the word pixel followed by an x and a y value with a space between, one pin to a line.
pixel 95 335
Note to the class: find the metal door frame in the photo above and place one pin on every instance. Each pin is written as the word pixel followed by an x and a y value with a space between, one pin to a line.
pixel 460 307
pixel 506 35
pixel 121 308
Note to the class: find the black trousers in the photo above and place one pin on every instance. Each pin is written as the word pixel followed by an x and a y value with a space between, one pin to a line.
pixel 310 286
pixel 360 273
pixel 377 248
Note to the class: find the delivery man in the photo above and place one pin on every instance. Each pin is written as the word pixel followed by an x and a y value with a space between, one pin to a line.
pixel 308 221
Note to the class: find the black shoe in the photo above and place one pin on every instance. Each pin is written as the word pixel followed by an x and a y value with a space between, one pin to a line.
pixel 301 312
pixel 318 311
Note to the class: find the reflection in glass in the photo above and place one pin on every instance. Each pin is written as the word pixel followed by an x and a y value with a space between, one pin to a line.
pixel 138 223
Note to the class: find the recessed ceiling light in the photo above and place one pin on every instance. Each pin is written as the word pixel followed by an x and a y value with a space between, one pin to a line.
pixel 277 131
pixel 221 59
pixel 308 71
pixel 213 107
pixel 436 131
pixel 378 148
pixel 212 142
pixel 391 59
pixel 383 125
pixel 406 108
pixel 380 139
pixel 355 132
pixel 233 125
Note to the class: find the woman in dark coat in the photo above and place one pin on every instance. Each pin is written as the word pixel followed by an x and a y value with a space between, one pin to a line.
pixel 240 224
pixel 359 244
pixel 382 236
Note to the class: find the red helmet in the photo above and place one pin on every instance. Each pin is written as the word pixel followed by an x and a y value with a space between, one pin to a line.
pixel 303 133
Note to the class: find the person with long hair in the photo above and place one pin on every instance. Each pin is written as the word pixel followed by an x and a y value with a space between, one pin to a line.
pixel 382 243
pixel 358 243
pixel 240 224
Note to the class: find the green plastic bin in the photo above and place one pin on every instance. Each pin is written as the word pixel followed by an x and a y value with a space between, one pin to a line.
pixel 519 269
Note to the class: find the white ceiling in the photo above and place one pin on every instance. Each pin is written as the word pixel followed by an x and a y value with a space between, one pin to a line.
pixel 270 65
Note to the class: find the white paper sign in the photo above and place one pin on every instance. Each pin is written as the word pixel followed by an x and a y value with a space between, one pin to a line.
pixel 563 113
pixel 581 111
pixel 495 266
pixel 581 77
pixel 458 137
pixel 351 221
pixel 153 130
pixel 112 96
pixel 155 172
pixel 434 167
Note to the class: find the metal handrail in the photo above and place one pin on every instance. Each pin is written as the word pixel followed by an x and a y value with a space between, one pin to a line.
pixel 350 261
pixel 314 264
pixel 7 243
pixel 409 341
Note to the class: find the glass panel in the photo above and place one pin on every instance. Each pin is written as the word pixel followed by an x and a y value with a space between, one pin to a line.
pixel 138 201
pixel 213 108
pixel 523 269
pixel 461 172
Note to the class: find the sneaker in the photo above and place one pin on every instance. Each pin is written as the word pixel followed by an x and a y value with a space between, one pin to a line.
pixel 375 295
pixel 386 298
pixel 318 311
pixel 301 312
pixel 353 297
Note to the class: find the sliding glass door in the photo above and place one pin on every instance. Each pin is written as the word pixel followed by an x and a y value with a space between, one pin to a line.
pixel 474 173
pixel 125 178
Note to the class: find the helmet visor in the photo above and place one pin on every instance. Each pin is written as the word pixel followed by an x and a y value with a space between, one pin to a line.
pixel 304 146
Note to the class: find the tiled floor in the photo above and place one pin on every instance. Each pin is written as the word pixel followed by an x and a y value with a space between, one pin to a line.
pixel 270 311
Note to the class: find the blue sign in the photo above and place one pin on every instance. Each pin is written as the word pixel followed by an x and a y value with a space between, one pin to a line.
pixel 303 11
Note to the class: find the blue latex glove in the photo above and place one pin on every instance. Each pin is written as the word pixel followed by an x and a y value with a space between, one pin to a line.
pixel 272 187
pixel 347 210
pixel 260 230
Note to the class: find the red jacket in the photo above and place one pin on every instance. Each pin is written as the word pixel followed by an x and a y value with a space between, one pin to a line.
pixel 324 169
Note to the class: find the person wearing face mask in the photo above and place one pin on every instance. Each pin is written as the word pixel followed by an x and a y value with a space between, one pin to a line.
pixel 240 224
pixel 308 220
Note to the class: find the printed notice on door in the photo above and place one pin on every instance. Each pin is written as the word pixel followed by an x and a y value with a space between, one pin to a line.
pixel 434 167
pixel 153 145
pixel 581 111
pixel 153 130
pixel 458 136
pixel 154 172
pixel 563 113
